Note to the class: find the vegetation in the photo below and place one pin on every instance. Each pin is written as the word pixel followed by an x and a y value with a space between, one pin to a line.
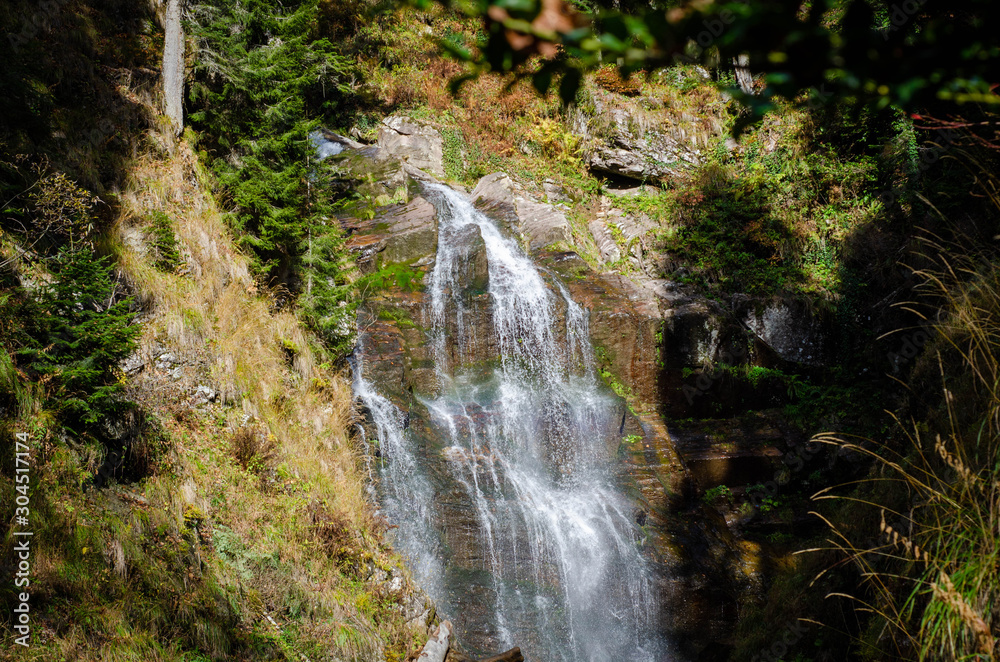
pixel 238 528
pixel 162 530
pixel 843 51
pixel 265 79
pixel 716 493
pixel 931 566
pixel 84 330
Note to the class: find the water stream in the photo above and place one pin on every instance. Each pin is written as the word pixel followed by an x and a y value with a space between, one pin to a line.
pixel 509 511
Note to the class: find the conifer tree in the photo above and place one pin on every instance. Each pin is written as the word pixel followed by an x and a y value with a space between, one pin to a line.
pixel 265 79
pixel 83 332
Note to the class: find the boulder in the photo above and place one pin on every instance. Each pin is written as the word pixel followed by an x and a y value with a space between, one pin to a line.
pixel 540 224
pixel 417 143
pixel 615 233
pixel 794 331
pixel 554 193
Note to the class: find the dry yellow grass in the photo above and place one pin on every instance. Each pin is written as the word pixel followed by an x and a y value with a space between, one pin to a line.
pixel 267 369
pixel 216 310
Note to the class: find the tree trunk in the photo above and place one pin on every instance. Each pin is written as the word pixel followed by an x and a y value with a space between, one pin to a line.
pixel 743 76
pixel 436 647
pixel 513 655
pixel 173 66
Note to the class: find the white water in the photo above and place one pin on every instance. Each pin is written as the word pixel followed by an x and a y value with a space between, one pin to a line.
pixel 555 550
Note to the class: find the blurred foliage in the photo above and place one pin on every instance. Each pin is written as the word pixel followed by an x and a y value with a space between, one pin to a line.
pixel 877 53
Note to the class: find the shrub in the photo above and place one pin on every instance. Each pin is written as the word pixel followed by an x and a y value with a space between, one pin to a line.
pixel 252 449
pixel 332 530
pixel 718 492
pixel 610 79
pixel 62 210
pixel 927 540
pixel 164 243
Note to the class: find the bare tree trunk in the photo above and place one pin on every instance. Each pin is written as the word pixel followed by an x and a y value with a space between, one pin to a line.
pixel 173 66
pixel 743 76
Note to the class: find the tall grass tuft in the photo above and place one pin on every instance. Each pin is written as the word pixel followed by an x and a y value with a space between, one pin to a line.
pixel 931 570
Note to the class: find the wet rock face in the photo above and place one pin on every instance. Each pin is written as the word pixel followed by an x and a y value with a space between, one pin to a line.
pixel 538 223
pixel 787 326
pixel 415 142
pixel 411 232
pixel 624 322
pixel 402 234
pixel 494 196
pixel 648 337
pixel 471 439
pixel 476 267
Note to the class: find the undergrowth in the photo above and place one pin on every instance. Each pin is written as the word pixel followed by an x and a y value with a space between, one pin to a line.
pixel 927 545
pixel 247 534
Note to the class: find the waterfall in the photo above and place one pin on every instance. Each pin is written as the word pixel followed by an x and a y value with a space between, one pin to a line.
pixel 510 514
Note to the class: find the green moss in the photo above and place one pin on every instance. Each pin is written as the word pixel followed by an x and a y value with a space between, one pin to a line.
pixel 394 275
pixel 400 316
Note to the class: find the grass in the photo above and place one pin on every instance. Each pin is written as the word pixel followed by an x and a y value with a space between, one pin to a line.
pixel 250 537
pixel 934 494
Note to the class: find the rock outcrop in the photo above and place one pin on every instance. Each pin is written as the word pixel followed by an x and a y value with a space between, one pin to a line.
pixel 540 224
pixel 401 234
pixel 415 142
pixel 796 333
pixel 627 143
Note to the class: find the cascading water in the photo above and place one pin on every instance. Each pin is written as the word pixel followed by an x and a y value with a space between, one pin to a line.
pixel 510 516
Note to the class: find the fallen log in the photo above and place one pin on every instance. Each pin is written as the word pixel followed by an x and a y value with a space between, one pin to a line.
pixel 513 655
pixel 437 646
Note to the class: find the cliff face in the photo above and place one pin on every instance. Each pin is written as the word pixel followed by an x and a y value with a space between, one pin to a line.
pixel 651 339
